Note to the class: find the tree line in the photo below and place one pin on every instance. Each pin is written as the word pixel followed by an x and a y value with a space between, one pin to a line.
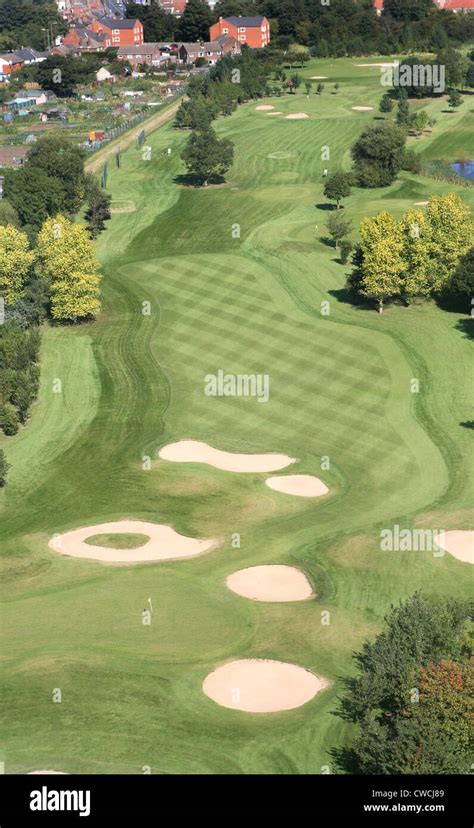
pixel 412 697
pixel 48 267
pixel 428 252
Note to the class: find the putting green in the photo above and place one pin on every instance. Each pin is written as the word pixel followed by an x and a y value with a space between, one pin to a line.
pixel 340 402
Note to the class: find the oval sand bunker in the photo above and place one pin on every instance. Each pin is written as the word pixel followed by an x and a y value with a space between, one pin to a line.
pixel 301 485
pixel 297 116
pixel 193 451
pixel 270 583
pixel 261 686
pixel 164 543
pixel 265 106
pixel 362 108
pixel 48 772
pixel 459 543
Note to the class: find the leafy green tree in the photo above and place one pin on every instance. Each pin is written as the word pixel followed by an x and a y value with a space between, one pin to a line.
pixel 386 104
pixel 462 282
pixel 345 248
pixel 403 113
pixel 98 206
pixel 27 23
pixel 206 156
pixel 419 122
pixel 308 86
pixel 9 420
pixel 8 214
pixel 195 113
pixel 296 80
pixel 338 186
pixel 34 194
pixel 378 155
pixel 196 21
pixel 62 159
pixel 4 467
pixel 454 99
pixel 62 75
pixel 338 226
pixel 157 24
pixel 407 12
pixel 320 88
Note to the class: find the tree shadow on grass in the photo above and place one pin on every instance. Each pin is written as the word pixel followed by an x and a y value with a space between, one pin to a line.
pixel 192 180
pixel 326 206
pixel 466 326
pixel 467 424
pixel 349 297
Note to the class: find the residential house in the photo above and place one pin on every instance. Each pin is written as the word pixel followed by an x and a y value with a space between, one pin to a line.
pixel 9 62
pixel 31 56
pixel 173 7
pixel 211 52
pixel 149 53
pixel 119 32
pixel 253 31
pixel 84 39
pixel 456 6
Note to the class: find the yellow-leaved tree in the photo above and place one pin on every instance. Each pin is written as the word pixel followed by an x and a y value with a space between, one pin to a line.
pixel 16 259
pixel 451 236
pixel 67 259
pixel 382 266
pixel 416 254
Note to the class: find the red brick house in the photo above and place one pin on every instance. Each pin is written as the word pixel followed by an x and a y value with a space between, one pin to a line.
pixel 253 31
pixel 119 32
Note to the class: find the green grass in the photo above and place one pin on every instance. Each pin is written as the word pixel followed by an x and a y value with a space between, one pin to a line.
pixel 339 388
pixel 118 540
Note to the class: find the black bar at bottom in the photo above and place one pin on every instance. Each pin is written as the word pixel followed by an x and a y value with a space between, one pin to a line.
pixel 433 800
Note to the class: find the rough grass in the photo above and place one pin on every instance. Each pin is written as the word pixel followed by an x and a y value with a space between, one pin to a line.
pixel 119 540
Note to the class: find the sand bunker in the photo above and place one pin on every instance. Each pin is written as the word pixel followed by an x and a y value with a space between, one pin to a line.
pixel 318 77
pixel 296 116
pixel 270 583
pixel 362 108
pixel 459 543
pixel 164 543
pixel 261 686
pixel 122 206
pixel 49 772
pixel 274 113
pixel 281 156
pixel 302 485
pixel 421 203
pixel 265 106
pixel 373 64
pixel 193 451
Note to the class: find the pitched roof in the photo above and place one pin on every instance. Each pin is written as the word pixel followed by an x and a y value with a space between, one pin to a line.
pixel 194 48
pixel 117 23
pixel 144 49
pixel 248 22
pixel 11 57
pixel 459 4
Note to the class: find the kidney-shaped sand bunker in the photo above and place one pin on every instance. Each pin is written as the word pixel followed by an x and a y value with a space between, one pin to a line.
pixel 194 451
pixel 164 543
pixel 262 686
